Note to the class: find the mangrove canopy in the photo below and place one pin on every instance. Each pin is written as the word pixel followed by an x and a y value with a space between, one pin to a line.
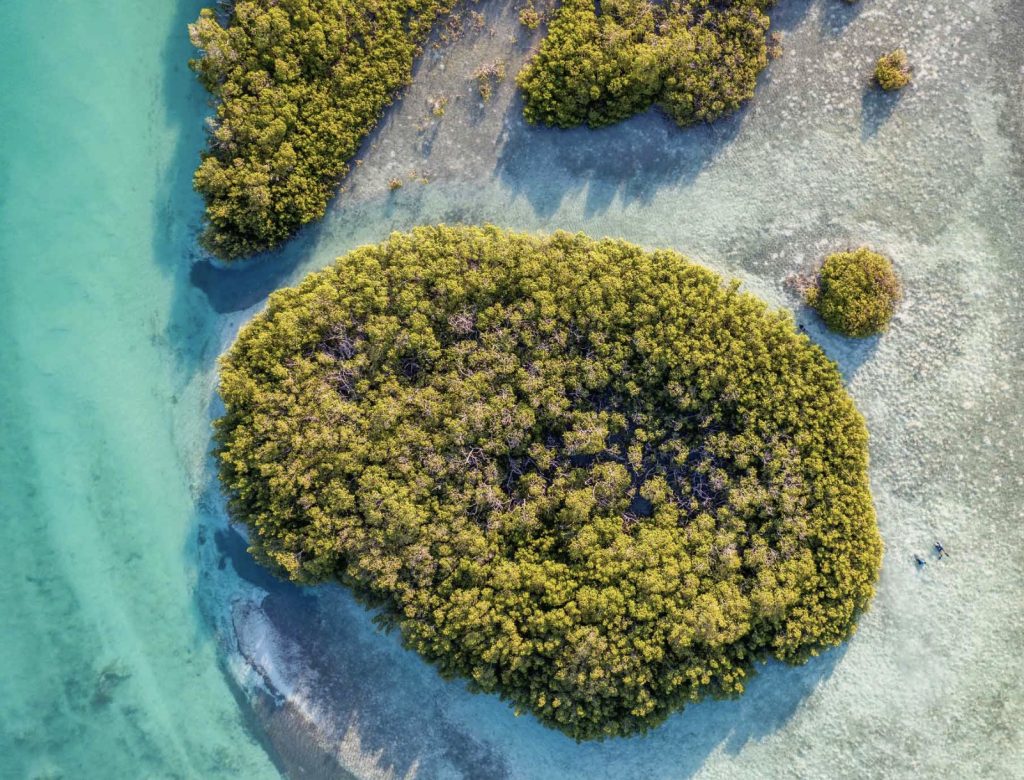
pixel 697 59
pixel 596 480
pixel 856 293
pixel 299 83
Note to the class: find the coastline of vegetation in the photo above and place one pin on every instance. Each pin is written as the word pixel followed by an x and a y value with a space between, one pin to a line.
pixel 299 84
pixel 595 480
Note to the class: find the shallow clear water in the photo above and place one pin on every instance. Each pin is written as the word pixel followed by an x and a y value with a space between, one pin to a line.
pixel 106 667
pixel 139 640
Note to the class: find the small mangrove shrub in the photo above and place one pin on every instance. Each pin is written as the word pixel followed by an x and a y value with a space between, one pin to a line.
pixel 892 71
pixel 856 292
pixel 487 76
pixel 529 17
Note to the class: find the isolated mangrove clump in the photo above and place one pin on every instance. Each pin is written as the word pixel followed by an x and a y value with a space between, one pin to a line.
pixel 697 59
pixel 856 292
pixel 598 481
pixel 892 71
pixel 299 83
pixel 487 76
pixel 529 17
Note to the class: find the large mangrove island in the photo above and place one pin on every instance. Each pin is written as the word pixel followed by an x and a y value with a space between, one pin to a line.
pixel 600 481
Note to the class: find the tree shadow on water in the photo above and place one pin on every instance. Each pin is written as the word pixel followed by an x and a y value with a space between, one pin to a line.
pixel 238 285
pixel 199 283
pixel 178 209
pixel 849 353
pixel 876 106
pixel 785 16
pixel 631 160
pixel 385 704
pixel 229 289
pixel 837 14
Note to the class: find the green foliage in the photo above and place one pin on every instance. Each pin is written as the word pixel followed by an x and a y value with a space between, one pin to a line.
pixel 892 71
pixel 529 17
pixel 698 59
pixel 857 292
pixel 593 479
pixel 438 106
pixel 487 75
pixel 299 83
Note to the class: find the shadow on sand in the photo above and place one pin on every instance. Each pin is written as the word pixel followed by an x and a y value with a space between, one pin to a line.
pixel 849 353
pixel 629 161
pixel 876 106
pixel 836 15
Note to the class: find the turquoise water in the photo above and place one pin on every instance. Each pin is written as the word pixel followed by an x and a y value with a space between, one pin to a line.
pixel 106 668
pixel 137 639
